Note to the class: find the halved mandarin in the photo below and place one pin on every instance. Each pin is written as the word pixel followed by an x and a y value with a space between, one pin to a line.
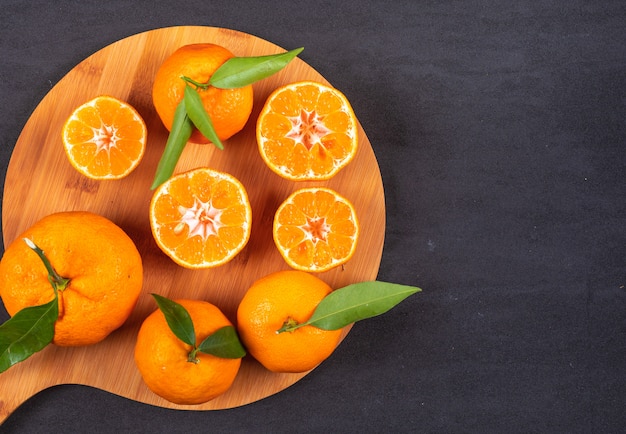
pixel 307 131
pixel 316 229
pixel 201 218
pixel 105 138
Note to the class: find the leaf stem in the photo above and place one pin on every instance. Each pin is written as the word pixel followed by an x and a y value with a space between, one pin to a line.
pixel 58 283
pixel 192 356
pixel 199 85
pixel 290 325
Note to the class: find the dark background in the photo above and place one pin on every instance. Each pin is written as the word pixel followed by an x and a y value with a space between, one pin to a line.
pixel 499 127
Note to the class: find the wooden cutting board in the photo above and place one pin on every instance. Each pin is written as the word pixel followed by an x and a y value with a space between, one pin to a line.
pixel 40 181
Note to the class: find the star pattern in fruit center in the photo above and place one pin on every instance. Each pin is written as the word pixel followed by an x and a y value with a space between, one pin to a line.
pixel 202 219
pixel 104 137
pixel 316 228
pixel 307 128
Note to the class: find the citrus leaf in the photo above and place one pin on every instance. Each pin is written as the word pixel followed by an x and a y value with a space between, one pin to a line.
pixel 242 71
pixel 178 319
pixel 357 302
pixel 199 116
pixel 176 141
pixel 28 331
pixel 223 343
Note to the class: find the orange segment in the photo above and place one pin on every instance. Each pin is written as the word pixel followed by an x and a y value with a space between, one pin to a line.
pixel 316 229
pixel 105 138
pixel 201 218
pixel 307 131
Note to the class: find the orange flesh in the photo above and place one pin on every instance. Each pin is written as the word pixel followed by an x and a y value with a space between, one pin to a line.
pixel 201 218
pixel 315 230
pixel 307 131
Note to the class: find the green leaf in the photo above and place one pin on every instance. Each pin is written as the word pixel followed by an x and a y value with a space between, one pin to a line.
pixel 178 319
pixel 242 71
pixel 223 343
pixel 28 331
pixel 354 303
pixel 199 116
pixel 176 141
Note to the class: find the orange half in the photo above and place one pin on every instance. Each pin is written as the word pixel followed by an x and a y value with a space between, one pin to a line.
pixel 316 229
pixel 105 138
pixel 307 131
pixel 201 218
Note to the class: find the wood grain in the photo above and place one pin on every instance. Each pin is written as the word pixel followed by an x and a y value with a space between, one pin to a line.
pixel 41 181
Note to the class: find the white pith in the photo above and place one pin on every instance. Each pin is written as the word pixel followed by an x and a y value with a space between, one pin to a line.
pixel 104 137
pixel 307 128
pixel 201 219
pixel 316 229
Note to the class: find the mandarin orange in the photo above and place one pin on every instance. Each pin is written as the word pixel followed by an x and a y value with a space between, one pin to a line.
pixel 229 109
pixel 279 298
pixel 316 229
pixel 201 218
pixel 163 359
pixel 105 138
pixel 101 261
pixel 307 131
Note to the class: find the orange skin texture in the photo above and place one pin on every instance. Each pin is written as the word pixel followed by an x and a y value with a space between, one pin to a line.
pixel 162 358
pixel 101 261
pixel 229 109
pixel 266 306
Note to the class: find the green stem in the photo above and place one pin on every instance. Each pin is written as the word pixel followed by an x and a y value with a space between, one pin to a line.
pixel 290 325
pixel 58 283
pixel 192 357
pixel 199 85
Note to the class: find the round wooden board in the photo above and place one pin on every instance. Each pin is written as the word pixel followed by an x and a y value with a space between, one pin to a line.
pixel 40 181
